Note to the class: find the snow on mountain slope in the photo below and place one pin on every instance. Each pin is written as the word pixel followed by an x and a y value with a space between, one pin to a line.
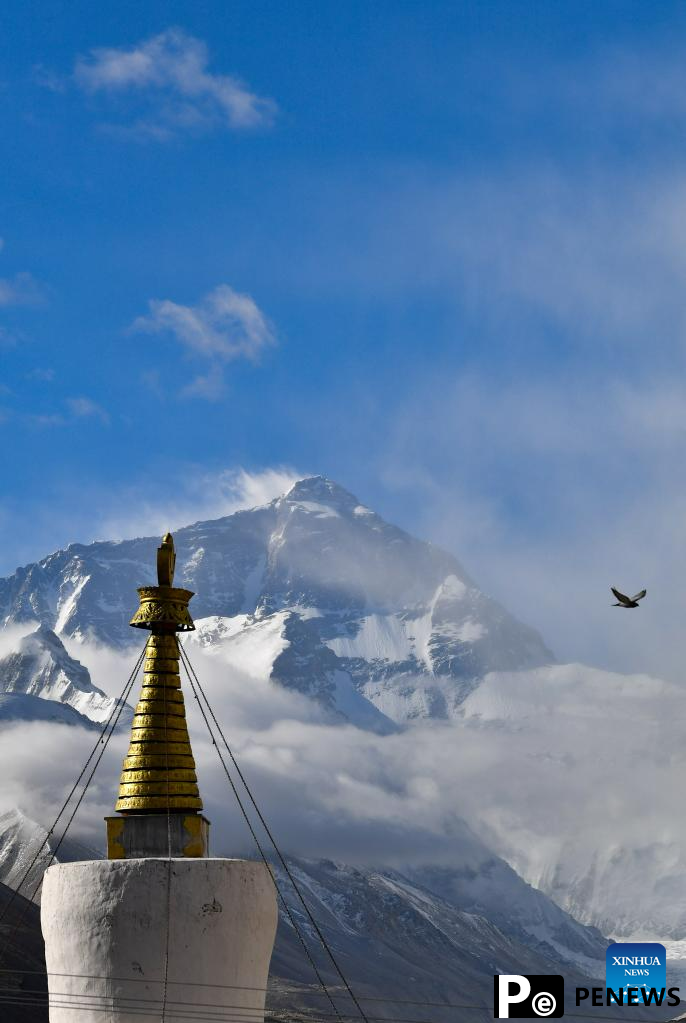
pixel 253 646
pixel 396 935
pixel 20 841
pixel 40 667
pixel 249 644
pixel 581 771
pixel 314 588
pixel 21 707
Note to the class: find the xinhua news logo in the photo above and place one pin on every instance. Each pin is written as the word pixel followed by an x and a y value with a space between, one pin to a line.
pixel 636 964
pixel 521 997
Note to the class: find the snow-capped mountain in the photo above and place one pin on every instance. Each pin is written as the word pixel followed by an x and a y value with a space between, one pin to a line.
pixel 22 840
pixel 568 773
pixel 39 681
pixel 314 591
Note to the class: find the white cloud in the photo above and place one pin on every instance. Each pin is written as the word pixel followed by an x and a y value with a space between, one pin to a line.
pixel 86 408
pixel 539 765
pixel 200 496
pixel 11 635
pixel 208 385
pixel 251 489
pixel 45 420
pixel 49 79
pixel 44 374
pixel 170 71
pixel 78 408
pixel 357 793
pixel 20 289
pixel 225 325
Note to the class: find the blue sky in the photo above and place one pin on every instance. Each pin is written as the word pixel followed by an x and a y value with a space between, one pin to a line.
pixel 432 250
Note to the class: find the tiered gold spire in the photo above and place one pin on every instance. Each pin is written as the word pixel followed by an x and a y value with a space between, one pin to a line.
pixel 159 769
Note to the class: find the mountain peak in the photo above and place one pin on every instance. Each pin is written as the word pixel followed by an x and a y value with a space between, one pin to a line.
pixel 321 495
pixel 43 638
pixel 14 817
pixel 40 666
pixel 354 608
pixel 321 490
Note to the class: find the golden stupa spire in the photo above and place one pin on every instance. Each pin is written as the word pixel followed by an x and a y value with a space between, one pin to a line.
pixel 159 770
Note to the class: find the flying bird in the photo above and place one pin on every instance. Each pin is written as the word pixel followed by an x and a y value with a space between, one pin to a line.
pixel 627 601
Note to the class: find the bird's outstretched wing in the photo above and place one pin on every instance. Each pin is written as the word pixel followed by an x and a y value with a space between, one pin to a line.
pixel 620 596
pixel 640 596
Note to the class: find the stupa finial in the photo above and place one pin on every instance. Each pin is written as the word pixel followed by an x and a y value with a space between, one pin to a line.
pixel 158 775
pixel 166 561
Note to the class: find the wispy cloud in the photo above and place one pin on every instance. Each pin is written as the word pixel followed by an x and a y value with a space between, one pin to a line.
pixel 44 374
pixel 525 249
pixel 225 325
pixel 20 289
pixel 49 79
pixel 552 488
pixel 199 496
pixel 76 409
pixel 169 74
pixel 45 420
pixel 86 408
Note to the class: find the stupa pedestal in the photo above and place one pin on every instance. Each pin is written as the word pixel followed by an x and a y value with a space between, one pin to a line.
pixel 105 929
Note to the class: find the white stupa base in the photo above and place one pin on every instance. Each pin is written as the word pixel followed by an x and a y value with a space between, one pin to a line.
pixel 106 947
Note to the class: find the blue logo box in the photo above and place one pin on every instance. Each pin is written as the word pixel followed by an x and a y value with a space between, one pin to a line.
pixel 636 964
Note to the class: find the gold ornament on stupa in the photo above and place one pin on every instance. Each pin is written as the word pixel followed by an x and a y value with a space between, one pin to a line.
pixel 159 770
